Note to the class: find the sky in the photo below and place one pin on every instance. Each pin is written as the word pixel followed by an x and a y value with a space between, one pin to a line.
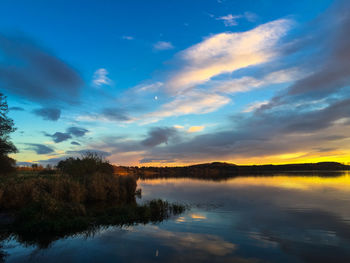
pixel 165 83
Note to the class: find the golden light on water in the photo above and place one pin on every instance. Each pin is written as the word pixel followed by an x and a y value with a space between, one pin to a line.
pixel 305 183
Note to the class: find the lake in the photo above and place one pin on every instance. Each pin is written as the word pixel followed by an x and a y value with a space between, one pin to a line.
pixel 278 218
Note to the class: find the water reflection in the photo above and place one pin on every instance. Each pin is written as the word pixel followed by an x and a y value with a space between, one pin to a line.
pixel 246 219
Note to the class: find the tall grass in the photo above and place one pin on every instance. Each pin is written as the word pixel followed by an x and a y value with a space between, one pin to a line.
pixel 17 192
pixel 83 193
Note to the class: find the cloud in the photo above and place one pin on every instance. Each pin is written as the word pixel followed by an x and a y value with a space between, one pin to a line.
pixel 77 131
pixel 159 135
pixel 159 160
pixel 60 137
pixel 109 114
pixel 163 45
pixel 246 83
pixel 196 243
pixel 80 152
pixel 50 114
pixel 147 87
pixel 229 20
pixel 227 52
pixel 330 64
pixel 285 131
pixel 128 37
pixel 70 133
pixel 29 71
pixel 100 78
pixel 40 148
pixel 255 105
pixel 313 111
pixel 195 129
pixel 75 143
pixel 193 102
pixel 16 109
pixel 115 114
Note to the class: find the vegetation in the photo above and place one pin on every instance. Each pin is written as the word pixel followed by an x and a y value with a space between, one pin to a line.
pixel 38 205
pixel 90 163
pixel 7 164
pixel 31 226
pixel 218 170
pixel 52 203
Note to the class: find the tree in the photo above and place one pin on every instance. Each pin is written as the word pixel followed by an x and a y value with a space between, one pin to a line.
pixel 6 146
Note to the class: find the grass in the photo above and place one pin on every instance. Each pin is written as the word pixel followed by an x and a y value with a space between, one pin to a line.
pixel 45 205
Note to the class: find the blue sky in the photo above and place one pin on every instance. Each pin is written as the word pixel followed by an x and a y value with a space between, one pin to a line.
pixel 177 82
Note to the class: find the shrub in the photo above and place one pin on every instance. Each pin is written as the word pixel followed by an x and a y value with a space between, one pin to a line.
pixel 88 164
pixel 7 165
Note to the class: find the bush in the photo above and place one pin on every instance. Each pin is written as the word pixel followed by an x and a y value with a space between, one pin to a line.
pixel 7 165
pixel 87 165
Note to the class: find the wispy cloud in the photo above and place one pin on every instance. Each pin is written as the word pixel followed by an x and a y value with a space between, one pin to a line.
pixel 214 56
pixel 255 105
pixel 248 83
pixel 227 52
pixel 128 37
pixel 100 78
pixel 194 102
pixel 108 114
pixel 195 129
pixel 229 20
pixel 163 45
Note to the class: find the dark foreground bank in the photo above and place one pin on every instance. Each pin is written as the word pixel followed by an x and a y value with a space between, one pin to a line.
pixel 82 195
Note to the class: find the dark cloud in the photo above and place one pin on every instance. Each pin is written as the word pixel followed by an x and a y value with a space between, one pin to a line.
pixel 70 133
pixel 75 143
pixel 266 133
pixel 329 63
pixel 77 131
pixel 159 160
pixel 159 135
pixel 115 114
pixel 60 137
pixel 314 111
pixel 313 114
pixel 16 109
pixel 40 148
pixel 29 71
pixel 80 152
pixel 335 72
pixel 50 114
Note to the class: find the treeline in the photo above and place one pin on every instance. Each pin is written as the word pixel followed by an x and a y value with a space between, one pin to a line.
pixel 218 170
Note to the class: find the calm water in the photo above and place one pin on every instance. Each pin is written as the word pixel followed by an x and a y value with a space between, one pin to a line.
pixel 248 219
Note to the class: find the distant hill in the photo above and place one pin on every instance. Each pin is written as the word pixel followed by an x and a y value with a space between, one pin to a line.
pixel 217 170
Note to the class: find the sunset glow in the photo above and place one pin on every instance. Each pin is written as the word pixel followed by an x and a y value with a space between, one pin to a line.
pixel 226 81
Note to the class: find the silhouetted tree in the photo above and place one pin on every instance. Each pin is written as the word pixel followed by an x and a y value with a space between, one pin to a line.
pixel 6 146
